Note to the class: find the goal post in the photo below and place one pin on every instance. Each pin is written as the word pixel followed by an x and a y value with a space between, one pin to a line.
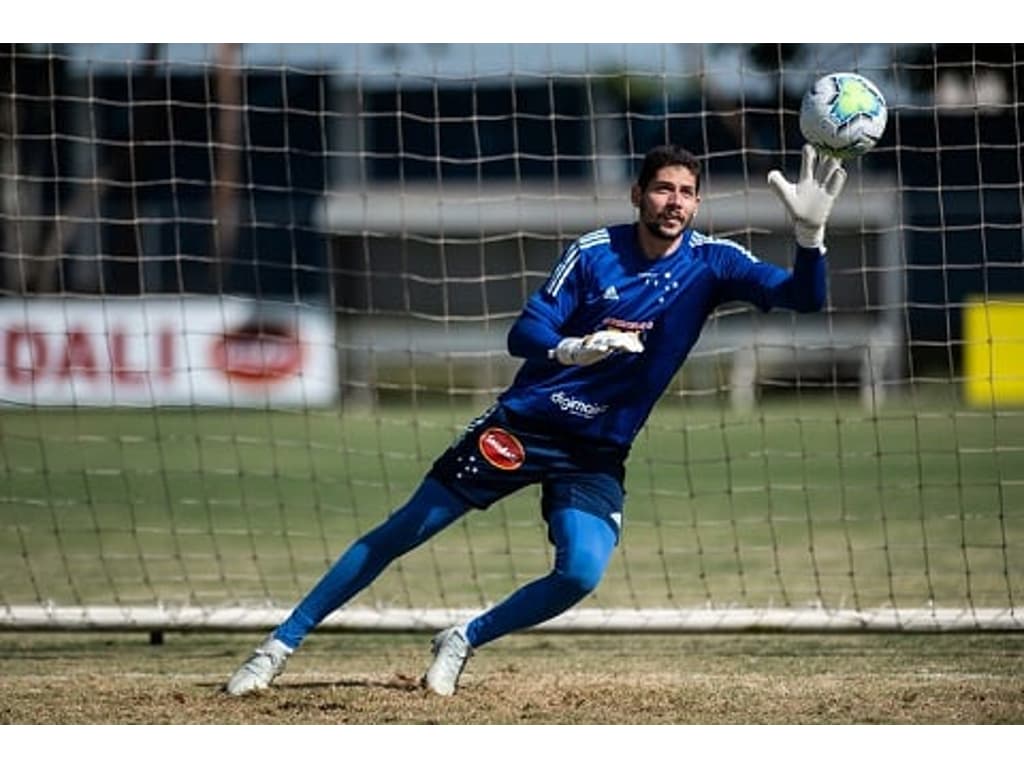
pixel 248 297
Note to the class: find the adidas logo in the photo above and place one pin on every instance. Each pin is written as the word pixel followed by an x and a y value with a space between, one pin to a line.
pixel 611 294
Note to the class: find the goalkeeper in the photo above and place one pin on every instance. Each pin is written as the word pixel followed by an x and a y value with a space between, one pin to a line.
pixel 600 341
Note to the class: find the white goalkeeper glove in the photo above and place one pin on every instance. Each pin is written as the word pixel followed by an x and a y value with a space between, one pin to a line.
pixel 595 347
pixel 810 200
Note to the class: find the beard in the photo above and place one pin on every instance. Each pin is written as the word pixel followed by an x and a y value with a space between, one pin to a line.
pixel 655 225
pixel 655 228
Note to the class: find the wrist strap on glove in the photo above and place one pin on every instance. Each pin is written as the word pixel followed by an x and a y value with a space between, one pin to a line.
pixel 595 347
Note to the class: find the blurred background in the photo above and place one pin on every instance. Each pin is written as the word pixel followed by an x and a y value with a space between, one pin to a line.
pixel 297 264
pixel 281 171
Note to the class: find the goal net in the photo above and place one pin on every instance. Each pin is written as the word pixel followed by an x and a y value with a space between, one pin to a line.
pixel 250 293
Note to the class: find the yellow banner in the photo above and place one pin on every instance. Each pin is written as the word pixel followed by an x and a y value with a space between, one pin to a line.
pixel 994 350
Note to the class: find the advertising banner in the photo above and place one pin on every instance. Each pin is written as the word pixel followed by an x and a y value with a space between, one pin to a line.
pixel 217 351
pixel 993 356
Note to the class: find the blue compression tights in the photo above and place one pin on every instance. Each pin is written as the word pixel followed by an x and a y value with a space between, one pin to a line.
pixel 583 546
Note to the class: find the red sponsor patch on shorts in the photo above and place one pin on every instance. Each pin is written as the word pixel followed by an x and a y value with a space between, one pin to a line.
pixel 501 449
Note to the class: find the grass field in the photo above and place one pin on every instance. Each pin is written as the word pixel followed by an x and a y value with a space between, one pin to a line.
pixel 800 503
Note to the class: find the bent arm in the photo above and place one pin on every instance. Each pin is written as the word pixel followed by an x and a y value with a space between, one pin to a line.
pixel 533 333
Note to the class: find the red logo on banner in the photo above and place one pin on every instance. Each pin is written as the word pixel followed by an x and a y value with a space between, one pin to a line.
pixel 501 449
pixel 258 353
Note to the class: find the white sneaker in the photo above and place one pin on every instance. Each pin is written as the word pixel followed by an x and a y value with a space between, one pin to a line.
pixel 260 669
pixel 451 650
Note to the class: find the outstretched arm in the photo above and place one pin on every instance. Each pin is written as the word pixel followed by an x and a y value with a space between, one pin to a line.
pixel 805 288
pixel 809 203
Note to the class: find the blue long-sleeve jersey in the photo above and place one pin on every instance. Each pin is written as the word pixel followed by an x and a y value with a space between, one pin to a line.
pixel 604 280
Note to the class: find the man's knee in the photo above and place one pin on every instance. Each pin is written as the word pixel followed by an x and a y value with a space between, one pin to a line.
pixel 582 570
pixel 584 545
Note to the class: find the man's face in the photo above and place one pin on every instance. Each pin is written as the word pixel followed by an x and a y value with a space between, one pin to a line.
pixel 669 203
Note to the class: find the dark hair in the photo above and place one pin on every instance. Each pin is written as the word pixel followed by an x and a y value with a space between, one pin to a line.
pixel 664 155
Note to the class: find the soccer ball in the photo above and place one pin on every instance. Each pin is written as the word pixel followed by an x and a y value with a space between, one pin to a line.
pixel 843 114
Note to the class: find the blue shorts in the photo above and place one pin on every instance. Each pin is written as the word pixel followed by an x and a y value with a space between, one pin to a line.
pixel 501 452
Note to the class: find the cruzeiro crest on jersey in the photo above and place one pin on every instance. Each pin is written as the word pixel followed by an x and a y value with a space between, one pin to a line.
pixel 571 257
